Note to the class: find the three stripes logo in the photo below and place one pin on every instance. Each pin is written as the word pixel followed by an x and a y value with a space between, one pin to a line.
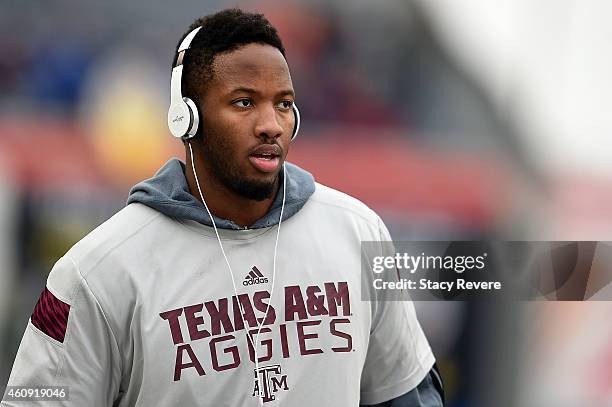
pixel 254 277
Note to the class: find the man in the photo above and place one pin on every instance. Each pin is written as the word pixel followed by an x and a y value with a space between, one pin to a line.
pixel 192 295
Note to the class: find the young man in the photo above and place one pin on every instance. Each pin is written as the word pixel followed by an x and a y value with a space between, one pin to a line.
pixel 233 279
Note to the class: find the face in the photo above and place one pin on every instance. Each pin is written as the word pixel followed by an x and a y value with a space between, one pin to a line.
pixel 247 120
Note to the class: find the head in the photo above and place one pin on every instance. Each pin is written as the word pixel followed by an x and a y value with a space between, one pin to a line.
pixel 237 75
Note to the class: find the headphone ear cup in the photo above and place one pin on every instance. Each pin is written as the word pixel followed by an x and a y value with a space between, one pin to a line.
pixel 195 118
pixel 179 119
pixel 296 126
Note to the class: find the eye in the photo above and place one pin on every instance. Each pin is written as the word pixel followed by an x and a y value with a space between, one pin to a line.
pixel 285 104
pixel 243 103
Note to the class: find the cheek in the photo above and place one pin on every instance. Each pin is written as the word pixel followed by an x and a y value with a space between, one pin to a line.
pixel 288 123
pixel 232 130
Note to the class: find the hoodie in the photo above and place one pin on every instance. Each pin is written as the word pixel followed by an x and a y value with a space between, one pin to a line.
pixel 145 311
pixel 167 192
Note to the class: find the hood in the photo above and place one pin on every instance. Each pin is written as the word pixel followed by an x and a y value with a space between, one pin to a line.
pixel 168 193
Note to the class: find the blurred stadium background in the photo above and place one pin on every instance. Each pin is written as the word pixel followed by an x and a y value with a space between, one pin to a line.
pixel 461 119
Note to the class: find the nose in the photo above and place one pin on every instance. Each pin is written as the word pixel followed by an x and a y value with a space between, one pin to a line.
pixel 268 125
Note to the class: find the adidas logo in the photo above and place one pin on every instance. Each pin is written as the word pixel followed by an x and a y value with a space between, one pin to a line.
pixel 254 277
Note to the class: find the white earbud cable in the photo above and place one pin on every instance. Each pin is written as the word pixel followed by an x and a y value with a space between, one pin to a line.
pixel 259 325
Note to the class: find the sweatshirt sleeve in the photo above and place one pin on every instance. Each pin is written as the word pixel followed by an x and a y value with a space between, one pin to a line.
pixel 398 356
pixel 429 393
pixel 68 342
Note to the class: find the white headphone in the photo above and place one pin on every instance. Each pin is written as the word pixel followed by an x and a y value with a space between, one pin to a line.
pixel 183 117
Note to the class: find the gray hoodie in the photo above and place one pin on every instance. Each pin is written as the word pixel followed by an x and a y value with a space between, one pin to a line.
pixel 167 192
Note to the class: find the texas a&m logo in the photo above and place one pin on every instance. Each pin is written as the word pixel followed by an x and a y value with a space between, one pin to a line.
pixel 213 335
pixel 268 381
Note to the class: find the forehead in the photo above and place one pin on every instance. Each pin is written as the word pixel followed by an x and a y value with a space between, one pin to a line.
pixel 256 66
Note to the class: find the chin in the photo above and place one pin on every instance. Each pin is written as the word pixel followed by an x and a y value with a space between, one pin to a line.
pixel 256 189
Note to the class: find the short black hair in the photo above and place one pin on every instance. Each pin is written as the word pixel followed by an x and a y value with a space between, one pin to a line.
pixel 221 32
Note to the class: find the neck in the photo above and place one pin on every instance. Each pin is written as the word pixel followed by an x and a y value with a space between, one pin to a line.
pixel 223 202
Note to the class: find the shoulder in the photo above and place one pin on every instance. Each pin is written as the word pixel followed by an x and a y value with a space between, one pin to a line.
pixel 127 226
pixel 338 203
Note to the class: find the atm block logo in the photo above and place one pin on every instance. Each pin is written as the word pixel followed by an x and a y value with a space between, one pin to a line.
pixel 268 382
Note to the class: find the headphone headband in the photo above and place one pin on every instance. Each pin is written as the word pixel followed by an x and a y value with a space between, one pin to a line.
pixel 186 43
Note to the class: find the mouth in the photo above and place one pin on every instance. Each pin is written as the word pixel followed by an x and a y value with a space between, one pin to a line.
pixel 266 157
